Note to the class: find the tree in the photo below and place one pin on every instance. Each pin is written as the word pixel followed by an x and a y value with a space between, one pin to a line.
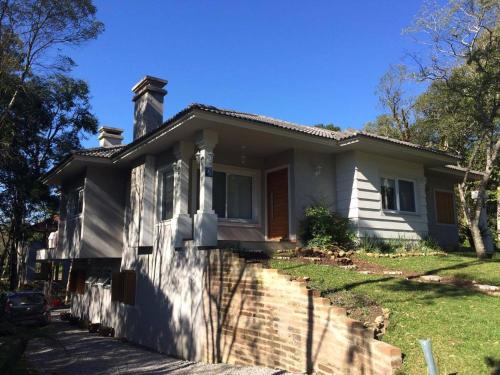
pixel 462 103
pixel 50 115
pixel 31 34
pixel 43 113
pixel 393 96
pixel 328 126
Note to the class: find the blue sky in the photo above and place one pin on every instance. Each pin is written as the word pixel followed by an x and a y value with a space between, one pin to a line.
pixel 302 61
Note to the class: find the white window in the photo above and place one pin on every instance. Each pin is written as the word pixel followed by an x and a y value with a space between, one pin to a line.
pixel 234 194
pixel 166 194
pixel 397 194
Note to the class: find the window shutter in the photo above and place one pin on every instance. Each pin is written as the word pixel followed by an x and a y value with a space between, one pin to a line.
pixel 445 213
pixel 129 286
pixel 117 287
pixel 80 284
pixel 72 281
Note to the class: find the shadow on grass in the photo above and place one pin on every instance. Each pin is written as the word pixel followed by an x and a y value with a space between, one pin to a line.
pixel 460 266
pixel 422 292
pixel 493 364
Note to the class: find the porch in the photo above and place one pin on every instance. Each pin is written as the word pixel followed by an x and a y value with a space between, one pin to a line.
pixel 228 185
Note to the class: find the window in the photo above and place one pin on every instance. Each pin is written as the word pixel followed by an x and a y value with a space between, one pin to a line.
pixel 406 196
pixel 232 195
pixel 166 198
pixel 77 281
pixel 397 195
pixel 75 203
pixel 445 208
pixel 123 287
pixel 388 191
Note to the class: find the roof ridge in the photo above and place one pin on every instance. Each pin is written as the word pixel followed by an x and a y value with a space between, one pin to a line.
pixel 265 118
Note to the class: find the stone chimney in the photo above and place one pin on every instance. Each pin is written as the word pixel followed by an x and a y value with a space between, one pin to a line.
pixel 109 136
pixel 148 109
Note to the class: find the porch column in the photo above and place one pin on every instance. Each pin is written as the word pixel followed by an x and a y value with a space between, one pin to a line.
pixel 205 219
pixel 181 224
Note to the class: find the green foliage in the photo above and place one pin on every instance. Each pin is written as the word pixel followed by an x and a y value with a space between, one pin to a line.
pixel 330 126
pixel 323 228
pixel 43 112
pixel 374 244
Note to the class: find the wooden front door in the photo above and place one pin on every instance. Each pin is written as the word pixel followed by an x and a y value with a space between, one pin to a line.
pixel 277 204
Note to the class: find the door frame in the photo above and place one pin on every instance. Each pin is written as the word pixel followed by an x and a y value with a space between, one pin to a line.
pixel 266 172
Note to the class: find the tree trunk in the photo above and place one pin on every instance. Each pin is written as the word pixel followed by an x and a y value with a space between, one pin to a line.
pixel 478 239
pixel 498 216
pixel 13 266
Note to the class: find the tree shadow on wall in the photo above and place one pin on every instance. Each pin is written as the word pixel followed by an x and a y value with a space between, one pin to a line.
pixel 231 289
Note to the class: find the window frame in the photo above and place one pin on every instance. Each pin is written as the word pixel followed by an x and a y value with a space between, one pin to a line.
pixel 247 172
pixel 398 205
pixel 159 192
pixel 453 205
pixel 73 201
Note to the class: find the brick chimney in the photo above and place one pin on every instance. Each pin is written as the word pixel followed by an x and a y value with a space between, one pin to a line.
pixel 109 136
pixel 148 108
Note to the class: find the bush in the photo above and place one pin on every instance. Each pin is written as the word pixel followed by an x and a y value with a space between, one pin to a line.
pixel 372 244
pixel 323 228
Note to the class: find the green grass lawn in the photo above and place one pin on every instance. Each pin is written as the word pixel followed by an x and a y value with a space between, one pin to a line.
pixel 462 265
pixel 464 326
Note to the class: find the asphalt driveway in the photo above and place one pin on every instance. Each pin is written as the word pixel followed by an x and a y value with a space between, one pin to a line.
pixel 78 352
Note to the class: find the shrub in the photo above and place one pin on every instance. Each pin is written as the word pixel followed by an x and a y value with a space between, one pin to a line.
pixel 374 244
pixel 323 228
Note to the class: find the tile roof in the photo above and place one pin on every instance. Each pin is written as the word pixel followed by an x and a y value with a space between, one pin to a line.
pixel 109 152
pixel 312 130
pixel 100 152
pixel 321 132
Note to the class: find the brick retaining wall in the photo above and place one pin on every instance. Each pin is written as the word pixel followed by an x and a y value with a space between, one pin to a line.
pixel 258 316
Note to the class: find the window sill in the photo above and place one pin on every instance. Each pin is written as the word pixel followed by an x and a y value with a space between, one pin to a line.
pixel 399 213
pixel 238 223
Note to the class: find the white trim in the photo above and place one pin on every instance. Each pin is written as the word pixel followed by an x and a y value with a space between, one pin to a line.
pixel 396 187
pixel 291 237
pixel 256 198
pixel 435 207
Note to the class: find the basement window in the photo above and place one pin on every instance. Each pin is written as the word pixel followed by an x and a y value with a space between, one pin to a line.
pixel 123 286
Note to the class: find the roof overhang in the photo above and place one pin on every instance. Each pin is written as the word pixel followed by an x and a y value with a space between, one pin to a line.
pixel 458 172
pixel 72 166
pixel 186 127
pixel 389 148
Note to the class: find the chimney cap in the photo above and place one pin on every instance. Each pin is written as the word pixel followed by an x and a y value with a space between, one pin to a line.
pixel 109 136
pixel 149 83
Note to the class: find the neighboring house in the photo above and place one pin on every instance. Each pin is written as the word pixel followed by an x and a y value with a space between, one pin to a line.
pixel 138 220
pixel 34 263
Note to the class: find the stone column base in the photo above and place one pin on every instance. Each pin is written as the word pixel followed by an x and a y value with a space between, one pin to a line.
pixel 205 229
pixel 182 229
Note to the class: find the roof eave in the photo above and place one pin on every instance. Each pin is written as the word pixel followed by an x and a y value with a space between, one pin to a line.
pixel 59 170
